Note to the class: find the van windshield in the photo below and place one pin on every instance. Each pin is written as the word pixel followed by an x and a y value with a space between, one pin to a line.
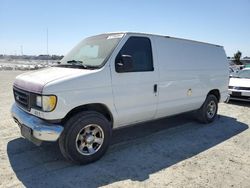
pixel 92 52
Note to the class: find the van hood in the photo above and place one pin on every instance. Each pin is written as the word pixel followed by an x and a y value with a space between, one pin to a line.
pixel 35 81
pixel 239 82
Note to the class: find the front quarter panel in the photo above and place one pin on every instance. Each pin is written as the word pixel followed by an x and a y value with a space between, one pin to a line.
pixel 86 89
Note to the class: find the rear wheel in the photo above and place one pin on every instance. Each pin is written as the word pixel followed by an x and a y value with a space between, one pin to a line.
pixel 208 111
pixel 85 138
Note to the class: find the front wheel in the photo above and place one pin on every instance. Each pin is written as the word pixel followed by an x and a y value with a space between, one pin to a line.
pixel 85 138
pixel 208 111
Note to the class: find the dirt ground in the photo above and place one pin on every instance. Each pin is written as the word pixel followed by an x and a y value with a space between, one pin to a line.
pixel 172 152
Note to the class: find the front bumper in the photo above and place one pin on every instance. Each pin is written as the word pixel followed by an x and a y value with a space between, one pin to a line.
pixel 40 130
pixel 242 95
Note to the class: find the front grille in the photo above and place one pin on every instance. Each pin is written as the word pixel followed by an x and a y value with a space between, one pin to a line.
pixel 240 97
pixel 239 88
pixel 22 98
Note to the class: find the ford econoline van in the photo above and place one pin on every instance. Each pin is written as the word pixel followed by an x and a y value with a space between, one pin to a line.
pixel 113 80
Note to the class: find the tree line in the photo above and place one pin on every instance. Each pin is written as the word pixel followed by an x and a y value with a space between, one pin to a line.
pixel 32 57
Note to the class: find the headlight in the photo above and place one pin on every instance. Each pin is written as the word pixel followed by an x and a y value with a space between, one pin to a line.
pixel 47 103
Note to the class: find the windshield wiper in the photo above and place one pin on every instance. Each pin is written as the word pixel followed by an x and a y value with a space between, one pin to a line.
pixel 79 64
pixel 75 62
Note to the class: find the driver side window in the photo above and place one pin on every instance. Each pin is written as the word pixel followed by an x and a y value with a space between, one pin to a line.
pixel 140 51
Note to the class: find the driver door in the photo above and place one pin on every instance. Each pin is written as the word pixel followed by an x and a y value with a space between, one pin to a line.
pixel 134 85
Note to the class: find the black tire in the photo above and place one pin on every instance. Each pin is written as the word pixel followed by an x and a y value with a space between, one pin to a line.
pixel 204 114
pixel 77 124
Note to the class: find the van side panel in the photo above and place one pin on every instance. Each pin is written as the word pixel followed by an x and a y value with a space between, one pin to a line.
pixel 188 71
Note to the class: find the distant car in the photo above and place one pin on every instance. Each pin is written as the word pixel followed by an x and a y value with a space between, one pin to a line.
pixel 239 86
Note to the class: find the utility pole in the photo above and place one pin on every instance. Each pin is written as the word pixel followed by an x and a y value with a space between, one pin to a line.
pixel 47 31
pixel 21 48
pixel 47 41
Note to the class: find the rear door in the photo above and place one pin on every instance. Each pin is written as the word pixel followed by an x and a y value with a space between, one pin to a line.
pixel 134 92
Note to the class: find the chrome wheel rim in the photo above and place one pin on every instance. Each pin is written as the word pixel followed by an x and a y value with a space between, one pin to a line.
pixel 89 139
pixel 211 109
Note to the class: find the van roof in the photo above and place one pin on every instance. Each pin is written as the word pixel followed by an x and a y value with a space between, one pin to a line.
pixel 125 32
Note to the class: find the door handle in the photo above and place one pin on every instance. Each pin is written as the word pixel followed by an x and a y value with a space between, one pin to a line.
pixel 155 88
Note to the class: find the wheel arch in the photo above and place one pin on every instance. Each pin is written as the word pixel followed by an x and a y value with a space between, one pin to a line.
pixel 216 93
pixel 98 107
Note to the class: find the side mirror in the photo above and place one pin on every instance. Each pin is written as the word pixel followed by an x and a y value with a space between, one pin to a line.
pixel 124 63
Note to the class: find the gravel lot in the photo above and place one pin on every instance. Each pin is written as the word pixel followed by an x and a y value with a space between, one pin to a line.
pixel 172 152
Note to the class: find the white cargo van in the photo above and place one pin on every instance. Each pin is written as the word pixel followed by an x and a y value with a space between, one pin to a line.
pixel 116 79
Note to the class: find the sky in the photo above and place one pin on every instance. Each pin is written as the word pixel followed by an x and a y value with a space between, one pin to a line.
pixel 24 23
